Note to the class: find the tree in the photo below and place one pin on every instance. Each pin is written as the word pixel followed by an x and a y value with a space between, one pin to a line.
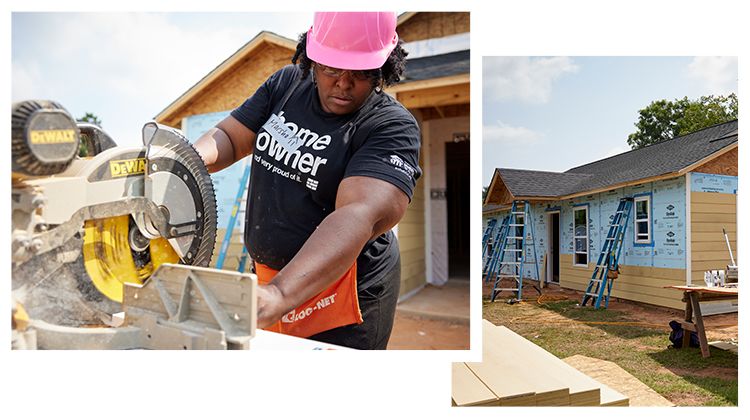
pixel 663 119
pixel 485 190
pixel 91 118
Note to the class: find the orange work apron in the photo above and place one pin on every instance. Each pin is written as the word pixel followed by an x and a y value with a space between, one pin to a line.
pixel 335 306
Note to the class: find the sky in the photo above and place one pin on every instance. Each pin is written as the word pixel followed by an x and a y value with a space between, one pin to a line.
pixel 127 67
pixel 556 113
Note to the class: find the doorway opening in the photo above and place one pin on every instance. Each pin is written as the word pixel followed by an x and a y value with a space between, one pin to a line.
pixel 553 264
pixel 457 195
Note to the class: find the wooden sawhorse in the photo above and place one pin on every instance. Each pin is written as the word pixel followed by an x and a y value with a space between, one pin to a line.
pixel 692 296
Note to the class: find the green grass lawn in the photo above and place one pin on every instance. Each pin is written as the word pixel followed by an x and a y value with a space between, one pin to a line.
pixel 681 376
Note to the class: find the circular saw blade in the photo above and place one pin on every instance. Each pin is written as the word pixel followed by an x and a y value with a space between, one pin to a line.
pixel 110 259
pixel 182 188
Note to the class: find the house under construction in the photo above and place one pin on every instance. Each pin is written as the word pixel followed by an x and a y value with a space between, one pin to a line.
pixel 682 193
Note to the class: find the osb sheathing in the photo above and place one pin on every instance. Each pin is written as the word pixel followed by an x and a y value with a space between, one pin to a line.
pixel 427 25
pixel 236 84
pixel 725 164
pixel 499 193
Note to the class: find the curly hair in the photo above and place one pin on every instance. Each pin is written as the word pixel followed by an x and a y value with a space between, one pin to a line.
pixel 388 74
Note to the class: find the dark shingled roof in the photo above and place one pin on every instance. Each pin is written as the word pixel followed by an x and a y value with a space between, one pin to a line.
pixel 523 183
pixel 436 66
pixel 662 158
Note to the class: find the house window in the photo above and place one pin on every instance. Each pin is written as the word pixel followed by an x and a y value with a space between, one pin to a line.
pixel 643 219
pixel 581 235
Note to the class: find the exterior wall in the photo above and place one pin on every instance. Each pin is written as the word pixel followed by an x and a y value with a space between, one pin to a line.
pixel 412 232
pixel 411 238
pixel 640 284
pixel 426 25
pixel 435 133
pixel 229 91
pixel 644 268
pixel 713 206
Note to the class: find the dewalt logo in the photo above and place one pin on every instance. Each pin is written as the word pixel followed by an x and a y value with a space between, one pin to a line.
pixel 52 136
pixel 127 167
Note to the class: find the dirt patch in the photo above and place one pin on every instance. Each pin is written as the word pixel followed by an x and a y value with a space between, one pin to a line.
pixel 417 333
pixel 728 374
pixel 687 399
pixel 718 327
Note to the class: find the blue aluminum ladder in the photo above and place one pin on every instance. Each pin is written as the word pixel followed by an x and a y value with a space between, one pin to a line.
pixel 491 224
pixel 491 262
pixel 609 259
pixel 513 255
pixel 232 221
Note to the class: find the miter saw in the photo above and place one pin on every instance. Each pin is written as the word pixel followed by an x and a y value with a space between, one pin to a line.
pixel 89 235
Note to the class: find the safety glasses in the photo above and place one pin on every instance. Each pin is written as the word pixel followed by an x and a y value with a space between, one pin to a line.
pixel 336 73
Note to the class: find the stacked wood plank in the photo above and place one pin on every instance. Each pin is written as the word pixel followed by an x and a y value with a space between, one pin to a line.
pixel 517 372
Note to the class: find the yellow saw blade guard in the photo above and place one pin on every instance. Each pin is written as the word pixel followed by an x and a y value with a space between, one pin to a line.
pixel 108 259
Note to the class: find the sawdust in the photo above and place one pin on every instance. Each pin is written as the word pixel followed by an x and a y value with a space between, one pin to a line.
pixel 54 289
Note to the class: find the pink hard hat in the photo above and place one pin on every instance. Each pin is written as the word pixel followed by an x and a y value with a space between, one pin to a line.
pixel 352 40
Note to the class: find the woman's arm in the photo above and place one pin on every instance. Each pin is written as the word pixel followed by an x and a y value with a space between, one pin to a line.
pixel 365 208
pixel 225 144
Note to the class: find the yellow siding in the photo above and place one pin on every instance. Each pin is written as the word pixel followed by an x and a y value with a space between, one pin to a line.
pixel 710 212
pixel 642 284
pixel 411 234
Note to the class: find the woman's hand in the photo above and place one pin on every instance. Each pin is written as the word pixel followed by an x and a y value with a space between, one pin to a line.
pixel 271 305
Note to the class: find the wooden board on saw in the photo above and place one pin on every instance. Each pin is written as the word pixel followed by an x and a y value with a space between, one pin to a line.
pixel 515 383
pixel 467 390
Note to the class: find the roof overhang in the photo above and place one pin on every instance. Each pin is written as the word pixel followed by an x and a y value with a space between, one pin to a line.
pixel 403 17
pixel 457 79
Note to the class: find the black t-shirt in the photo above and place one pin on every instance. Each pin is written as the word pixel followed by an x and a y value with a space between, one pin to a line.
pixel 291 192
